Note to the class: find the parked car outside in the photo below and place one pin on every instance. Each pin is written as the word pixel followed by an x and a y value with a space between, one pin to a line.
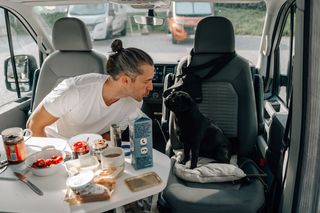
pixel 183 18
pixel 102 20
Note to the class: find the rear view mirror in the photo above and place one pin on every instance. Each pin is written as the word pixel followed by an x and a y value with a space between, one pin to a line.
pixel 149 19
pixel 25 65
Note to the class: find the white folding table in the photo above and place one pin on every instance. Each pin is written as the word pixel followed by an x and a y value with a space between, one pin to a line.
pixel 17 197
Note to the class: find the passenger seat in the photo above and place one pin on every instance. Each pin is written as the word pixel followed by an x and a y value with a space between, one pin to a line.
pixel 228 100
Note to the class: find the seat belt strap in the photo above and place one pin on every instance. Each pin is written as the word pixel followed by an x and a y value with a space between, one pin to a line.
pixel 217 64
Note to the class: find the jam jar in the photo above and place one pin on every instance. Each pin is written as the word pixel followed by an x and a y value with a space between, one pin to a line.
pixel 14 143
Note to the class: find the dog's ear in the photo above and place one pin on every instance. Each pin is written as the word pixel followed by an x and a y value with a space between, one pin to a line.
pixel 186 98
pixel 185 108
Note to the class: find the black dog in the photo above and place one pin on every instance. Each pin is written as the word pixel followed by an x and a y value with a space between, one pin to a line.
pixel 197 132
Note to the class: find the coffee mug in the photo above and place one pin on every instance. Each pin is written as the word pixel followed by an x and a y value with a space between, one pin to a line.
pixel 112 161
pixel 14 143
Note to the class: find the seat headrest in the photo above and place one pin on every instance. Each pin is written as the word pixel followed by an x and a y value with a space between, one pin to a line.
pixel 71 34
pixel 214 34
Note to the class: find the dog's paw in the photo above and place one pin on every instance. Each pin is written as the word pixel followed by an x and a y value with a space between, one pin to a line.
pixel 183 161
pixel 192 167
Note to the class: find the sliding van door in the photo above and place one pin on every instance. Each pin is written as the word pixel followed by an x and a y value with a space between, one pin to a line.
pixel 278 95
pixel 278 83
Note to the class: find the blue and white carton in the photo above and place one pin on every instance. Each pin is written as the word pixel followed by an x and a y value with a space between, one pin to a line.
pixel 140 135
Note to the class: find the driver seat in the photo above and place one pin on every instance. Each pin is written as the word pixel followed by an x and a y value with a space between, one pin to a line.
pixel 73 56
pixel 228 100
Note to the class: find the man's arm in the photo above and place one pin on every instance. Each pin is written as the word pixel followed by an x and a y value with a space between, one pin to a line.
pixel 39 119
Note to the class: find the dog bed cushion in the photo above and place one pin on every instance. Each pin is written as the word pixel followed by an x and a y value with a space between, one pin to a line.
pixel 208 172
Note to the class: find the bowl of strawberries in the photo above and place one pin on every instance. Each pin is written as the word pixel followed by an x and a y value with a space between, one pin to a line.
pixel 46 162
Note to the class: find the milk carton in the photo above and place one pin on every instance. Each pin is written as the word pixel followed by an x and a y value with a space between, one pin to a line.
pixel 140 134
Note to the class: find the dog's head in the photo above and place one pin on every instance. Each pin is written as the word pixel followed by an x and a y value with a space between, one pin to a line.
pixel 179 101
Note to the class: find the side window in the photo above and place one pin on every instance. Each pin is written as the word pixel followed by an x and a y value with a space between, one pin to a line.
pixel 16 83
pixel 286 54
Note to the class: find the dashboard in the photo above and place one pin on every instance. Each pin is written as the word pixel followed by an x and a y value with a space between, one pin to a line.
pixel 160 71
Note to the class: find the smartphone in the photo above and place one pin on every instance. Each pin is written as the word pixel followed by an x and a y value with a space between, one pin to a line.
pixel 144 181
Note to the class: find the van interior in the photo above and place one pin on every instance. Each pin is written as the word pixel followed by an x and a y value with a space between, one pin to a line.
pixel 264 98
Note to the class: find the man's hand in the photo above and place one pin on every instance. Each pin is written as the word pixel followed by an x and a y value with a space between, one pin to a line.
pixel 38 120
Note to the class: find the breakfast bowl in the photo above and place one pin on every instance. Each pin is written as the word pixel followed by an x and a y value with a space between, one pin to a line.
pixel 46 162
pixel 82 182
pixel 87 137
pixel 80 144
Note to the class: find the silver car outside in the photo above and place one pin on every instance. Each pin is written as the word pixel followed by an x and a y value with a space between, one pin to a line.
pixel 102 20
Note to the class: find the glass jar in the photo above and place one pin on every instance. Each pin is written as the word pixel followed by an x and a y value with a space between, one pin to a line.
pixel 80 148
pixel 98 146
pixel 115 135
pixel 14 143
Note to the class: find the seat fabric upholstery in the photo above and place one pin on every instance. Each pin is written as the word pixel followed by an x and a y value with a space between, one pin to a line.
pixel 73 56
pixel 228 99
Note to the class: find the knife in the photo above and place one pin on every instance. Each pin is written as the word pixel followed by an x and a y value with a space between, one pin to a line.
pixel 31 185
pixel 2 169
pixel 3 164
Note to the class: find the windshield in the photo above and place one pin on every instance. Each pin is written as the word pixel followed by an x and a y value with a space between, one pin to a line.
pixel 193 9
pixel 171 41
pixel 87 9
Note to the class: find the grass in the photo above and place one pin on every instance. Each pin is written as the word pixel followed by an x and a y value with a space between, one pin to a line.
pixel 245 22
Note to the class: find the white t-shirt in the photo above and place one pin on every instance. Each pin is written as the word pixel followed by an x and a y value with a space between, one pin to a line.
pixel 79 105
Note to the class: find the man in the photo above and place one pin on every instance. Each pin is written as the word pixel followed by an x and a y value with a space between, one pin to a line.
pixel 91 103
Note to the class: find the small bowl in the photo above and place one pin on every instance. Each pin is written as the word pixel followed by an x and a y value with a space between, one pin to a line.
pixel 45 154
pixel 81 182
pixel 90 138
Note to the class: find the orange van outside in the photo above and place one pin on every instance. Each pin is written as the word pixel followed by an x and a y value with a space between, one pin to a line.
pixel 183 18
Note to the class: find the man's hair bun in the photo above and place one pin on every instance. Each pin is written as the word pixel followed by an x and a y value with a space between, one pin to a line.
pixel 116 45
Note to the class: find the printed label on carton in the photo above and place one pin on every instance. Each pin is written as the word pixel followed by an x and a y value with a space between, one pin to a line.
pixel 140 132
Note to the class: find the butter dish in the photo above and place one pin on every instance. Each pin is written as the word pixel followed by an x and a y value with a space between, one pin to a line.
pixel 73 167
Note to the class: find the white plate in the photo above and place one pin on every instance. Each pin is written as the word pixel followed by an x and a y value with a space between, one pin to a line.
pixel 84 137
